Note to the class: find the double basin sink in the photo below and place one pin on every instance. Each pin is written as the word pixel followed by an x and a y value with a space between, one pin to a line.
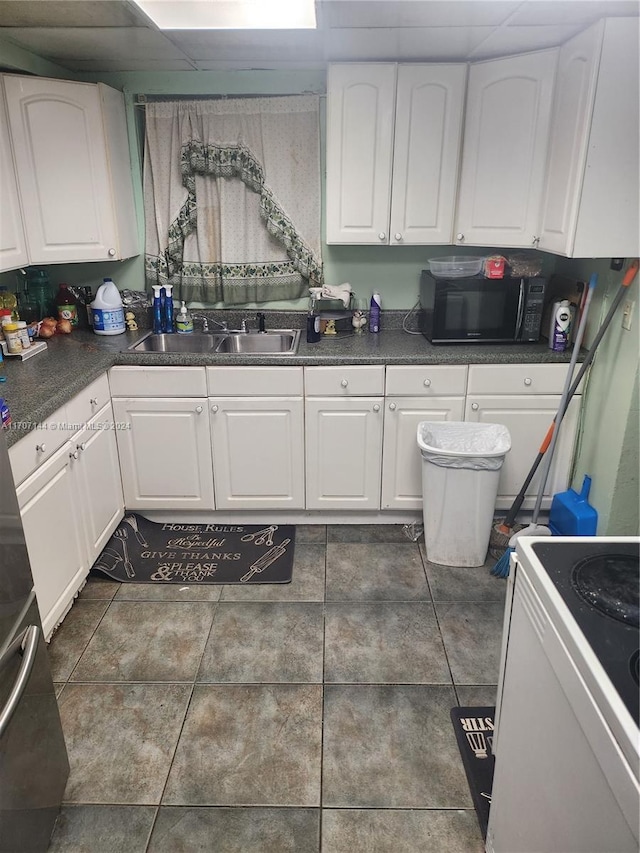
pixel 271 342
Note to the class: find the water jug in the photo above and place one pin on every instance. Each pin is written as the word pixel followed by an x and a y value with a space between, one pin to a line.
pixel 107 310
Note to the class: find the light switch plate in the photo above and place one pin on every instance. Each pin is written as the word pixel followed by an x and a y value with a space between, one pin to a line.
pixel 627 314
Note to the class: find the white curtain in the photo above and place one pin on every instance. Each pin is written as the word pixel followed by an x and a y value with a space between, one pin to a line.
pixel 232 198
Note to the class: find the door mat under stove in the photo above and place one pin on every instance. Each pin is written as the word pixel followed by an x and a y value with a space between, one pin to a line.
pixel 143 551
pixel 473 728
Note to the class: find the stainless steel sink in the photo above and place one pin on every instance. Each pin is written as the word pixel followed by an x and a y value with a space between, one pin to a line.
pixel 271 342
pixel 176 343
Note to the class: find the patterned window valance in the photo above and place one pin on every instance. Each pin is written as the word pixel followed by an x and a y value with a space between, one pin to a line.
pixel 251 239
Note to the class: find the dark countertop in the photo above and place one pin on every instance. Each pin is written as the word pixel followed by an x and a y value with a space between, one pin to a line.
pixel 37 387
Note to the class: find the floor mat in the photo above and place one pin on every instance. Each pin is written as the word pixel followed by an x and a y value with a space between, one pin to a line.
pixel 473 728
pixel 143 551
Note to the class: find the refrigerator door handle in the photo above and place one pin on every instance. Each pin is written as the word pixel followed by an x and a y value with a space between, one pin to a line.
pixel 28 643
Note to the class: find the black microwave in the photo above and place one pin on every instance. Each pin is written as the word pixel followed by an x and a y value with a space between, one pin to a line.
pixel 476 309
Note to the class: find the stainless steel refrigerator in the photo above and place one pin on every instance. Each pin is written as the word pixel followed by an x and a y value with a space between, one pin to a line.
pixel 33 757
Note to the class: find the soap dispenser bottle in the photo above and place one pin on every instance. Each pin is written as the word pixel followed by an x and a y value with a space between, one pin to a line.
pixel 184 321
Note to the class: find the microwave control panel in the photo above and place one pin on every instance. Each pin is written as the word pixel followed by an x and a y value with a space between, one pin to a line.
pixel 533 310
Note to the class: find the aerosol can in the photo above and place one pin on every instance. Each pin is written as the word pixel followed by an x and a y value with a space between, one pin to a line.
pixel 560 328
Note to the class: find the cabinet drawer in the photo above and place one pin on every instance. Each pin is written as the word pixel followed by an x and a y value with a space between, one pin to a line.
pixel 158 382
pixel 88 402
pixel 39 444
pixel 255 381
pixel 518 379
pixel 364 380
pixel 419 380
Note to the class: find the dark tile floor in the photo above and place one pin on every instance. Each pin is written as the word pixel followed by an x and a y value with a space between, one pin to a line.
pixel 278 718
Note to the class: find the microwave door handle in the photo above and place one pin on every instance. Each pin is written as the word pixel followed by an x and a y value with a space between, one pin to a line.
pixel 520 311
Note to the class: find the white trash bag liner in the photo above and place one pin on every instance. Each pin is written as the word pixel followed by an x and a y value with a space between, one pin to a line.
pixel 458 444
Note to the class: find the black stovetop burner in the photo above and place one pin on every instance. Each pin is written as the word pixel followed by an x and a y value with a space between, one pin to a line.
pixel 599 581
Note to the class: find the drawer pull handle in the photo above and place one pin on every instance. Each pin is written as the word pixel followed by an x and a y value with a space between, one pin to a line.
pixel 214 409
pixel 376 408
pixel 475 407
pixel 74 455
pixel 94 401
pixel 41 448
pixel 344 383
pixel 392 406
pixel 198 410
pixel 527 381
pixel 427 383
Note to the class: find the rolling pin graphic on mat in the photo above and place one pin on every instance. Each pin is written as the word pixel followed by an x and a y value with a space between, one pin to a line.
pixel 266 560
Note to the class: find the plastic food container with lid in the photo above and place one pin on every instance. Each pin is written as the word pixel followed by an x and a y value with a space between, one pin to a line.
pixel 456 266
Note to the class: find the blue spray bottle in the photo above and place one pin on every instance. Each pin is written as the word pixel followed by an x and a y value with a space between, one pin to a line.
pixel 157 309
pixel 168 309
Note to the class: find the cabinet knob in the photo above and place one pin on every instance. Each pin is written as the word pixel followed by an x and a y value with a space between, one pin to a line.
pixel 344 383
pixel 74 455
pixel 41 448
pixel 427 383
pixel 81 446
pixel 527 381
pixel 398 237
pixel 460 237
pixel 376 407
pixel 392 407
pixel 199 410
pixel 94 401
pixel 112 253
pixel 382 236
pixel 214 409
pixel 475 407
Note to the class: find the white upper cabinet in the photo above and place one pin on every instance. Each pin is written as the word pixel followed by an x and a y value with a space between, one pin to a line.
pixel 360 108
pixel 506 136
pixel 591 195
pixel 71 155
pixel 393 144
pixel 13 245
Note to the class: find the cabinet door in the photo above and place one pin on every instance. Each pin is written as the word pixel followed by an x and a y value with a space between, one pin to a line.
pixel 98 473
pixel 528 418
pixel 505 147
pixel 63 175
pixel 401 459
pixel 258 452
pixel 165 453
pixel 574 95
pixel 13 245
pixel 344 453
pixel 428 129
pixel 360 111
pixel 50 510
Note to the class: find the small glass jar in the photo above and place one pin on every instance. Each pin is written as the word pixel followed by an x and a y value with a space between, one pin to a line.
pixel 23 333
pixel 12 338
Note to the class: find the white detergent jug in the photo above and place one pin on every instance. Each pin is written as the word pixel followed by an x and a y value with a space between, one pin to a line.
pixel 107 310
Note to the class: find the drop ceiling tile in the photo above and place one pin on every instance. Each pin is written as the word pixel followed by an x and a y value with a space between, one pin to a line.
pixel 507 40
pixel 415 13
pixel 112 43
pixel 582 12
pixel 68 13
pixel 261 65
pixel 241 45
pixel 420 44
pixel 116 65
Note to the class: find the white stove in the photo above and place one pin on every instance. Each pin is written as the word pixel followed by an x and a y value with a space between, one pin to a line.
pixel 567 743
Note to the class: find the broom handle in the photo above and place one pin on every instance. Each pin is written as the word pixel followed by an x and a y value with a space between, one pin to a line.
pixel 517 503
pixel 564 400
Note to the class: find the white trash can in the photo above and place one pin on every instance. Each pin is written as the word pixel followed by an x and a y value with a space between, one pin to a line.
pixel 461 465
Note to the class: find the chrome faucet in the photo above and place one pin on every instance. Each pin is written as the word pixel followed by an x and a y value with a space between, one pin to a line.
pixel 207 320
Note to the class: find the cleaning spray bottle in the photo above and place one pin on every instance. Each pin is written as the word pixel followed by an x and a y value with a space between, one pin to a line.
pixel 157 309
pixel 168 309
pixel 184 321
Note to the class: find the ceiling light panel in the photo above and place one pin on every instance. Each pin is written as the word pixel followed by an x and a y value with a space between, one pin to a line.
pixel 230 14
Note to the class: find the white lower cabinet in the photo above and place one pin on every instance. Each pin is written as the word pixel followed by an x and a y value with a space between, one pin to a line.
pixel 258 452
pixel 165 453
pixel 70 506
pixel 401 459
pixel 344 452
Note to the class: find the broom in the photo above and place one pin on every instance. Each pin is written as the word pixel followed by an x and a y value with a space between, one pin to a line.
pixel 501 568
pixel 502 532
